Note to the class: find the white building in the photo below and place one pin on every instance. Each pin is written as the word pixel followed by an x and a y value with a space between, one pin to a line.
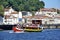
pixel 49 16
pixel 11 16
pixel 14 17
pixel 52 16
pixel 25 16
pixel 47 12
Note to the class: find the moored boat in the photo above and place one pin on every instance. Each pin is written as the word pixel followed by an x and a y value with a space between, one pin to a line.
pixel 32 28
pixel 17 29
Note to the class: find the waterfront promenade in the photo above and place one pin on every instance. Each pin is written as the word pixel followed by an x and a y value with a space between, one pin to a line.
pixel 49 26
pixel 45 26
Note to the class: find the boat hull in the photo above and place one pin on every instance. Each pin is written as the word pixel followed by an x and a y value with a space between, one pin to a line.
pixel 32 30
pixel 15 29
pixel 18 31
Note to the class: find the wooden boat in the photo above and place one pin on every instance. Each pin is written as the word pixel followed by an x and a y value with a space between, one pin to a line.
pixel 32 29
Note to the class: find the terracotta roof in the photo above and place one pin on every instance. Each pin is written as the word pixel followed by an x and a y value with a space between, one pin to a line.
pixel 49 17
pixel 6 9
pixel 57 17
pixel 47 9
pixel 7 16
pixel 27 16
pixel 40 17
pixel 36 17
pixel 14 17
pixel 15 12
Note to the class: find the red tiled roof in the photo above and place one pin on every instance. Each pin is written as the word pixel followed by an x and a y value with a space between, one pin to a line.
pixel 6 9
pixel 47 9
pixel 15 12
pixel 36 17
pixel 7 16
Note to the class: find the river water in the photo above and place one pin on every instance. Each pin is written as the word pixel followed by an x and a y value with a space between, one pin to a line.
pixel 46 34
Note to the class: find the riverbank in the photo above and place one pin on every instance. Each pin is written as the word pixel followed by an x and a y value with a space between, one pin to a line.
pixel 52 26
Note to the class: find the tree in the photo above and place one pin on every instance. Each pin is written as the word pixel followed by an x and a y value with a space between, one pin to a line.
pixel 1 10
pixel 23 5
pixel 26 5
pixel 5 4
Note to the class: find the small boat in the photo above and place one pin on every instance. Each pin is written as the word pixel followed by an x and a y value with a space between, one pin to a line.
pixel 32 28
pixel 17 29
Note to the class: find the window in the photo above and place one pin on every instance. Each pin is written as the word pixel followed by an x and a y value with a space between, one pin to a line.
pixel 49 13
pixel 24 13
pixel 20 19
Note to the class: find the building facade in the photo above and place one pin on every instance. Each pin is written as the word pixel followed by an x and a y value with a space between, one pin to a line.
pixel 10 16
pixel 47 15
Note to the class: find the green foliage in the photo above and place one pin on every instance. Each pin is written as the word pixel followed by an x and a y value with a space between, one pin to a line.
pixel 5 4
pixel 23 5
pixel 58 11
pixel 1 10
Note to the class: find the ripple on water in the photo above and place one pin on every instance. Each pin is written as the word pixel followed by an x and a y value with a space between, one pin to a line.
pixel 47 34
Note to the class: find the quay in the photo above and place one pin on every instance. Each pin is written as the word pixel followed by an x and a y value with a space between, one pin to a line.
pixel 45 26
pixel 49 26
pixel 6 27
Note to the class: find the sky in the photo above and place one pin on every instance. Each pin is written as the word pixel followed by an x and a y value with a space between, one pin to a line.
pixel 52 3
